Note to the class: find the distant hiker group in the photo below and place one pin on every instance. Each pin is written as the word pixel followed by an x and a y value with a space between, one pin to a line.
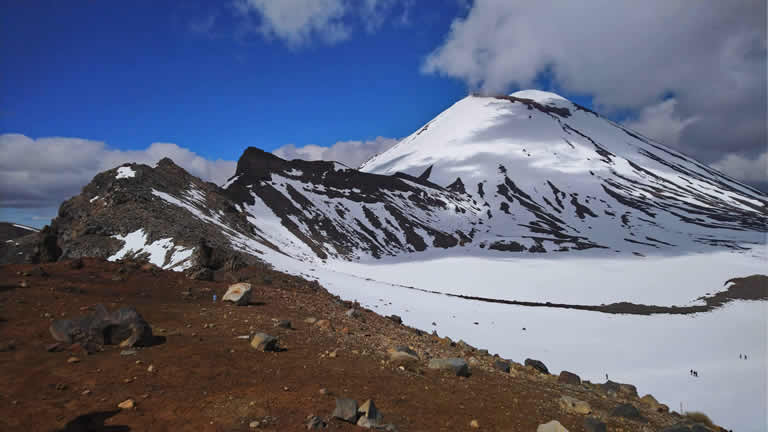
pixel 694 373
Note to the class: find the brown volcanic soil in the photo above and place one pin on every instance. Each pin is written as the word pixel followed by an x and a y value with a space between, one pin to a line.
pixel 206 379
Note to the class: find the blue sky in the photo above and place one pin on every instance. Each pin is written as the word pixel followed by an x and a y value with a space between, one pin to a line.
pixel 131 75
pixel 215 77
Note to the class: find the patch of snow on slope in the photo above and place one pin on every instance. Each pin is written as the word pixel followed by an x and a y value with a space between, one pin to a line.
pixel 195 194
pixel 135 244
pixel 125 172
pixel 538 96
pixel 230 181
pixel 93 199
pixel 26 228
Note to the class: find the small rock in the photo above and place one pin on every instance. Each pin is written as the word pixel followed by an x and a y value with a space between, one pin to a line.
pixel 402 356
pixel 474 424
pixel 501 365
pixel 151 368
pixel 456 365
pixel 24 284
pixel 574 406
pixel 619 388
pixel 324 391
pixel 395 318
pixel 627 411
pixel 127 404
pixel 333 354
pixel 128 352
pixel 569 378
pixel 86 392
pixel 370 417
pixel 264 342
pixel 352 313
pixel 73 360
pixel 346 409
pixel 254 424
pixel 315 422
pixel 324 324
pixel 286 324
pixel 55 347
pixel 310 320
pixel 239 294
pixel 538 365
pixel 553 426
pixel 8 346
pixel 592 424
pixel 651 402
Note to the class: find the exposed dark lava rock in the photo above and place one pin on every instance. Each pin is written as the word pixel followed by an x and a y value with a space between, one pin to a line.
pixel 124 326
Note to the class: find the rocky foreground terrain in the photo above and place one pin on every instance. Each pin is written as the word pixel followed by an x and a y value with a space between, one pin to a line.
pixel 206 371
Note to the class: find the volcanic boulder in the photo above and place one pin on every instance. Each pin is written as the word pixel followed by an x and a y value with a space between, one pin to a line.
pixel 124 326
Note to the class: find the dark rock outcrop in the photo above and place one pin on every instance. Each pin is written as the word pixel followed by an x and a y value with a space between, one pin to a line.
pixel 538 365
pixel 124 326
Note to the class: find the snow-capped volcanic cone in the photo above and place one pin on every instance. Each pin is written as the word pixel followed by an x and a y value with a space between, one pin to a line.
pixel 549 172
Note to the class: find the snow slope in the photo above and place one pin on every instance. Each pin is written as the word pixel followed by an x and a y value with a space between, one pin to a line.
pixel 546 169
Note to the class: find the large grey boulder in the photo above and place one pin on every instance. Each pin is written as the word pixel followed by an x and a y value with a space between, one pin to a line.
pixel 502 365
pixel 264 342
pixel 538 365
pixel 370 417
pixel 569 378
pixel 552 426
pixel 574 406
pixel 239 294
pixel 619 388
pixel 346 409
pixel 124 326
pixel 457 366
pixel 592 424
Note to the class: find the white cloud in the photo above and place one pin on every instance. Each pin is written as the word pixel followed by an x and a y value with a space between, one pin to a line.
pixel 350 153
pixel 296 21
pixel 710 56
pixel 299 22
pixel 661 122
pixel 744 168
pixel 45 171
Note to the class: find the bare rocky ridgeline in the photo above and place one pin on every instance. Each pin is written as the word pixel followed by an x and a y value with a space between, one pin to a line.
pixel 291 358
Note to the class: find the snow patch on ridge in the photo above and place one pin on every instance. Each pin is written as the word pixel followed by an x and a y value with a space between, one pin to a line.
pixel 125 172
pixel 136 243
pixel 26 228
pixel 538 96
